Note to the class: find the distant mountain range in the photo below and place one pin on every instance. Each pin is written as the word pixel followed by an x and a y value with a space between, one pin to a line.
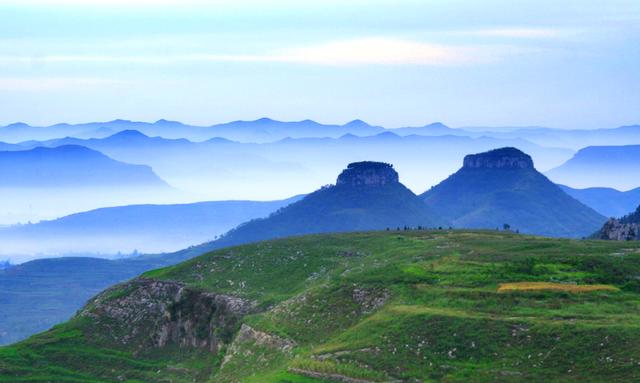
pixel 261 130
pixel 142 228
pixel 502 187
pixel 606 201
pixel 571 138
pixel 38 294
pixel 601 166
pixel 269 130
pixel 221 166
pixel 71 166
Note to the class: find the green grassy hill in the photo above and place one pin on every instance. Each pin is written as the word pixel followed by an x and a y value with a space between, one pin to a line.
pixel 416 306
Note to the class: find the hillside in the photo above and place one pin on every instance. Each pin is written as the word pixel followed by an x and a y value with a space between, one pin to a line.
pixel 368 307
pixel 145 228
pixel 601 166
pixel 606 201
pixel 501 187
pixel 366 196
pixel 71 166
pixel 38 294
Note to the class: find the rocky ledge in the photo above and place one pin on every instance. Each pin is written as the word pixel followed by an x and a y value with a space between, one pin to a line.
pixel 368 173
pixel 147 313
pixel 616 230
pixel 503 158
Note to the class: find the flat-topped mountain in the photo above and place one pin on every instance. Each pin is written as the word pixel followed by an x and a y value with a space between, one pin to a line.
pixel 367 196
pixel 502 187
pixel 368 174
pixel 503 158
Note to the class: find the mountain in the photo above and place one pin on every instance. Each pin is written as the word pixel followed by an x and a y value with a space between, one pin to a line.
pixel 626 228
pixel 433 129
pixel 127 229
pixel 268 130
pixel 261 130
pixel 219 164
pixel 602 166
pixel 566 138
pixel 71 166
pixel 367 196
pixel 399 306
pixel 502 186
pixel 38 294
pixel 606 201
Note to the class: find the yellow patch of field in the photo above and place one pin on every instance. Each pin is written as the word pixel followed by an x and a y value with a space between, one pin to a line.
pixel 533 286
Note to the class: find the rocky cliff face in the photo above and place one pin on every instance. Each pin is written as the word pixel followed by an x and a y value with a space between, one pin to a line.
pixel 626 228
pixel 616 230
pixel 503 158
pixel 146 313
pixel 368 173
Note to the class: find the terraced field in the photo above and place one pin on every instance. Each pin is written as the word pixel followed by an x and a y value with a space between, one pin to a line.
pixel 415 306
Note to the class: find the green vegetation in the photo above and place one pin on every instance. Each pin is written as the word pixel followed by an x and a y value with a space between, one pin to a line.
pixel 419 306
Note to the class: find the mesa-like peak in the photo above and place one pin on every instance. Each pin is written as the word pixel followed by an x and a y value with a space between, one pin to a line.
pixel 368 173
pixel 503 158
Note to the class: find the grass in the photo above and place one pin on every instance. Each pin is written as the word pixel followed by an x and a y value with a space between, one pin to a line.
pixel 428 306
pixel 537 286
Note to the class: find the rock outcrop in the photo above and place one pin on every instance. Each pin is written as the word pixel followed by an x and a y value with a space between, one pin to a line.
pixel 147 313
pixel 503 158
pixel 626 228
pixel 618 231
pixel 368 173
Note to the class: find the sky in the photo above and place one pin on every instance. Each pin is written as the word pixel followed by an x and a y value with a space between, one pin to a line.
pixel 562 64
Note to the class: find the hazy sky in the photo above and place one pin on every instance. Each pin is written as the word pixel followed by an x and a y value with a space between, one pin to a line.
pixel 566 64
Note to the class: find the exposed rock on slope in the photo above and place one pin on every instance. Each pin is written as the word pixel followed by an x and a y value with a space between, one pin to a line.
pixel 368 174
pixel 145 313
pixel 409 306
pixel 626 228
pixel 505 158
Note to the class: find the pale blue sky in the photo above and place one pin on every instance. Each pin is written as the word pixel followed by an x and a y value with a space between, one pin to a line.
pixel 565 64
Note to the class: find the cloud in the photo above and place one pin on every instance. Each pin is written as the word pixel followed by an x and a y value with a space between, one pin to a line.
pixel 118 3
pixel 382 51
pixel 522 33
pixel 54 83
pixel 367 51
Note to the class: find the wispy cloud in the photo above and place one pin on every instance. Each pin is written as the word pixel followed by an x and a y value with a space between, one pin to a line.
pixel 55 83
pixel 517 32
pixel 367 51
